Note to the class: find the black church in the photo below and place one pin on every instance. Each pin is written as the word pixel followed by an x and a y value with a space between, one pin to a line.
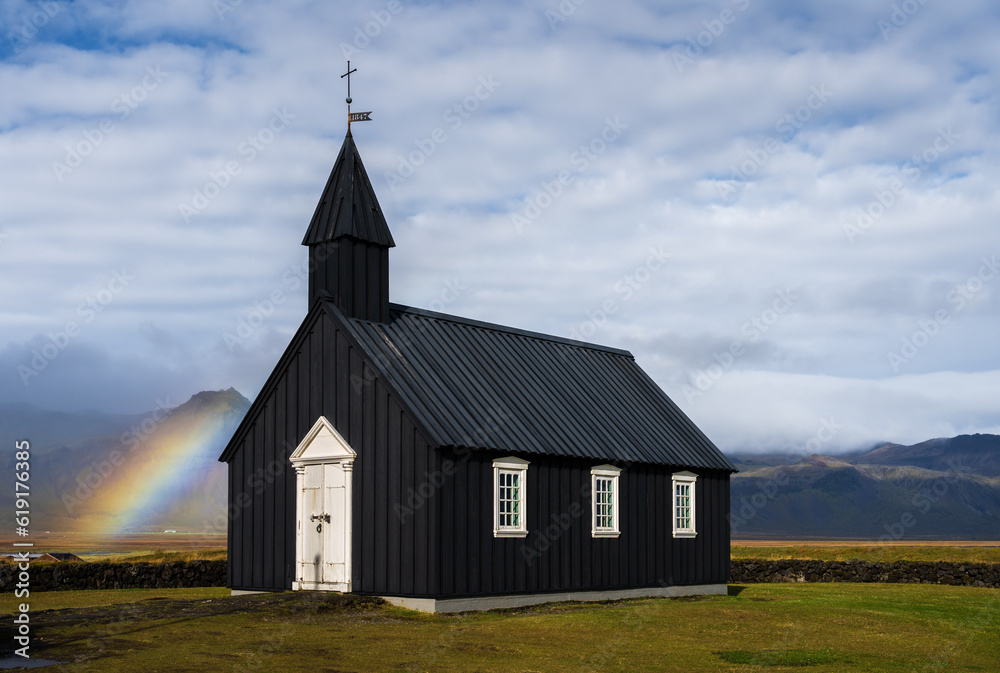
pixel 449 464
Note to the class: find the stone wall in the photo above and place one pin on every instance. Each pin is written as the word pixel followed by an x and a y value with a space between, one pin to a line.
pixel 899 572
pixel 73 575
pixel 178 574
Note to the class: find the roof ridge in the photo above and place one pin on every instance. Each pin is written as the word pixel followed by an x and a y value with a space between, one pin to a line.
pixel 506 329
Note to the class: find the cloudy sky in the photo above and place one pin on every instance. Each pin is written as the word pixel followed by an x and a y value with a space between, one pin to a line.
pixel 788 211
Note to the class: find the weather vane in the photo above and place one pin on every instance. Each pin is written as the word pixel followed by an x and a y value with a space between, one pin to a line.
pixel 353 116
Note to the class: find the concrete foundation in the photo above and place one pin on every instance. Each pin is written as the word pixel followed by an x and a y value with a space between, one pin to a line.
pixel 520 600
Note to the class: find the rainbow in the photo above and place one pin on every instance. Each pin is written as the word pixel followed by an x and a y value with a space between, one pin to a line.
pixel 166 475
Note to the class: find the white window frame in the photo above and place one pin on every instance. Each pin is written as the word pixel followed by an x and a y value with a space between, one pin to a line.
pixel 611 473
pixel 690 480
pixel 519 468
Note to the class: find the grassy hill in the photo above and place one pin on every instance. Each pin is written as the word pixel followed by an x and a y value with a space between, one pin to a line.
pixel 940 489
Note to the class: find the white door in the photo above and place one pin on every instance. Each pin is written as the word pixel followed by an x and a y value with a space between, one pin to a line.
pixel 312 526
pixel 335 542
pixel 324 468
pixel 324 528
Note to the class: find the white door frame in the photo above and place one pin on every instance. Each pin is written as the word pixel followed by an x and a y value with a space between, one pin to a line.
pixel 322 446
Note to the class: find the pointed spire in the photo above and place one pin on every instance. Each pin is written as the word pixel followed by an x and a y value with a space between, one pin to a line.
pixel 348 206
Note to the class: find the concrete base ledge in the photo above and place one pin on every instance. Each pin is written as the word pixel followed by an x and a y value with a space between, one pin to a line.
pixel 520 600
pixel 244 592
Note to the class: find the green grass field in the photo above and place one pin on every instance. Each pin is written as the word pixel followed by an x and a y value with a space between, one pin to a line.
pixel 825 552
pixel 821 627
pixel 160 556
pixel 868 553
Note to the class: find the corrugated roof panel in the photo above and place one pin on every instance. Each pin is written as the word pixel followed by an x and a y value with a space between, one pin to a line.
pixel 487 386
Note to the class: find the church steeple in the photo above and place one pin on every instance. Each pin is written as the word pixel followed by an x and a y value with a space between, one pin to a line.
pixel 349 241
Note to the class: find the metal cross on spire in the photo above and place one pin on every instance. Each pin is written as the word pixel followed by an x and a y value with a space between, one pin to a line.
pixel 353 116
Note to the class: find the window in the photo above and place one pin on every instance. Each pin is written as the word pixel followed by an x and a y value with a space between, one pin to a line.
pixel 604 487
pixel 509 482
pixel 683 486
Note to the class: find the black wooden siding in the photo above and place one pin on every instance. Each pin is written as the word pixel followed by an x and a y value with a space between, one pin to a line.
pixel 397 382
pixel 423 517
pixel 473 561
pixel 355 274
pixel 321 373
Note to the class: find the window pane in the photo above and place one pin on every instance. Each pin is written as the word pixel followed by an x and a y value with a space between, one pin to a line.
pixel 682 507
pixel 509 499
pixel 604 518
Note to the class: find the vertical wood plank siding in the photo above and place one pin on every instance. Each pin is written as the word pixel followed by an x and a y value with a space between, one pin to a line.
pixel 559 553
pixel 355 273
pixel 423 518
pixel 327 376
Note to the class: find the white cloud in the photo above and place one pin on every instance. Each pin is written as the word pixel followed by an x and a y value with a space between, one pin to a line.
pixel 785 222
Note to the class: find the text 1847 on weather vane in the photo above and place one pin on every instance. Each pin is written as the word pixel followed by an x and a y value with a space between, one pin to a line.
pixel 353 116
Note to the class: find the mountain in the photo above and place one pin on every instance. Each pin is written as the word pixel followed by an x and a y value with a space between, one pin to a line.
pixel 938 489
pixel 979 453
pixel 48 430
pixel 152 471
pixel 95 472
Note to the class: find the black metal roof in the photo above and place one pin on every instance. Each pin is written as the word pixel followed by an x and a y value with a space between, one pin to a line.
pixel 348 206
pixel 480 385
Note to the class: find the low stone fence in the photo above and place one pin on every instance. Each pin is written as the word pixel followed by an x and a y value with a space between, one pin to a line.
pixel 77 575
pixel 897 572
pixel 180 574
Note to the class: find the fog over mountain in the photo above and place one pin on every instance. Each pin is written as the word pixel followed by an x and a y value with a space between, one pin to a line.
pixel 786 210
pixel 160 470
